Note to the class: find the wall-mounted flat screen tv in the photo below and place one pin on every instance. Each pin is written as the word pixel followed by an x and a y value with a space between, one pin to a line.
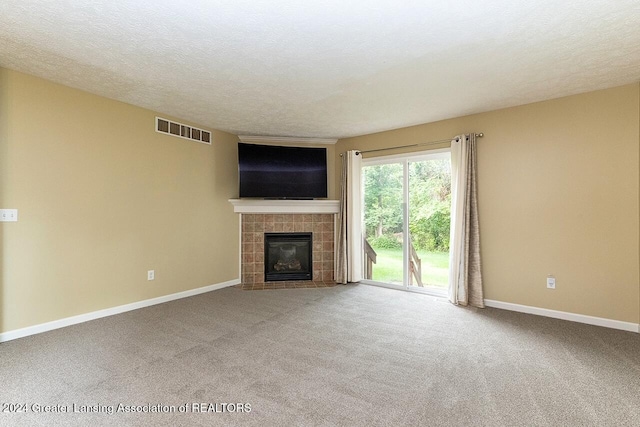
pixel 275 172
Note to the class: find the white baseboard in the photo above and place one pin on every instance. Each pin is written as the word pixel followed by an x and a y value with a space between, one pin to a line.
pixel 580 318
pixel 68 321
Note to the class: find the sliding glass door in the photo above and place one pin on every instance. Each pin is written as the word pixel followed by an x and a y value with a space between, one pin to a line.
pixel 407 205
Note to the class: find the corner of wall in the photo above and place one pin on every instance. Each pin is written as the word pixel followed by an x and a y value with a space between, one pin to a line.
pixel 3 158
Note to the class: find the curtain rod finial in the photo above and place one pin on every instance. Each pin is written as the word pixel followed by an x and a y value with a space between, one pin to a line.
pixel 480 134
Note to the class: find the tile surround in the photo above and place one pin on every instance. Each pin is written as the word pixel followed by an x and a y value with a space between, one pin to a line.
pixel 255 225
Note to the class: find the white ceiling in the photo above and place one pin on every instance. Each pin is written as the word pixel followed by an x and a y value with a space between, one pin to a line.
pixel 324 68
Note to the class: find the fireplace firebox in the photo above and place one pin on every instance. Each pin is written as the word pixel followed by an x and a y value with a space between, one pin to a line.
pixel 288 256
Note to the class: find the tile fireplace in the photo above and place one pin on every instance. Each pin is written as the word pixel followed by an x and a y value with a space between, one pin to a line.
pixel 256 226
pixel 260 218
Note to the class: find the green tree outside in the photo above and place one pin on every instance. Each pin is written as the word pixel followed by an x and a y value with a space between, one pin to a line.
pixel 429 204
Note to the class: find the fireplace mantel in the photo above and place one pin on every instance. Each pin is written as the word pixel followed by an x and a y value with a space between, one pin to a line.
pixel 259 206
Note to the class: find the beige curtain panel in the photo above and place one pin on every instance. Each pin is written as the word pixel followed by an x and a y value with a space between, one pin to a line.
pixel 349 245
pixel 465 266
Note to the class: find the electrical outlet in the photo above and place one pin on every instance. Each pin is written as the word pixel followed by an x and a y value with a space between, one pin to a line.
pixel 151 275
pixel 8 215
pixel 551 282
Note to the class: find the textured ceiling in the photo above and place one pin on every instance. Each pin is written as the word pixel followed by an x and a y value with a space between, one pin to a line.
pixel 324 68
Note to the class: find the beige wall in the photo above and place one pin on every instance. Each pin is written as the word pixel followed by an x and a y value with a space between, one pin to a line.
pixel 558 194
pixel 103 198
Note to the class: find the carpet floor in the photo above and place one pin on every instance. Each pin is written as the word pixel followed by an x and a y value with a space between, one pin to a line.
pixel 352 355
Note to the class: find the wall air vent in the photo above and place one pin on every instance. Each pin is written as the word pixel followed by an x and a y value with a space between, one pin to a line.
pixel 182 131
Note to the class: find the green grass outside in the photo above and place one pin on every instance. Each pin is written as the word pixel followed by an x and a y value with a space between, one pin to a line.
pixel 435 267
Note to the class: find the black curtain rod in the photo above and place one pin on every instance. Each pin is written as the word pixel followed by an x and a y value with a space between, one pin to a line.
pixel 479 135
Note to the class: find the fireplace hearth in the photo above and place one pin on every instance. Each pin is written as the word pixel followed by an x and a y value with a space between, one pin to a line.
pixel 288 256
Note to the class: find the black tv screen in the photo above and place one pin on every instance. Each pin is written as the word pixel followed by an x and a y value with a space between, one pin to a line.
pixel 270 171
